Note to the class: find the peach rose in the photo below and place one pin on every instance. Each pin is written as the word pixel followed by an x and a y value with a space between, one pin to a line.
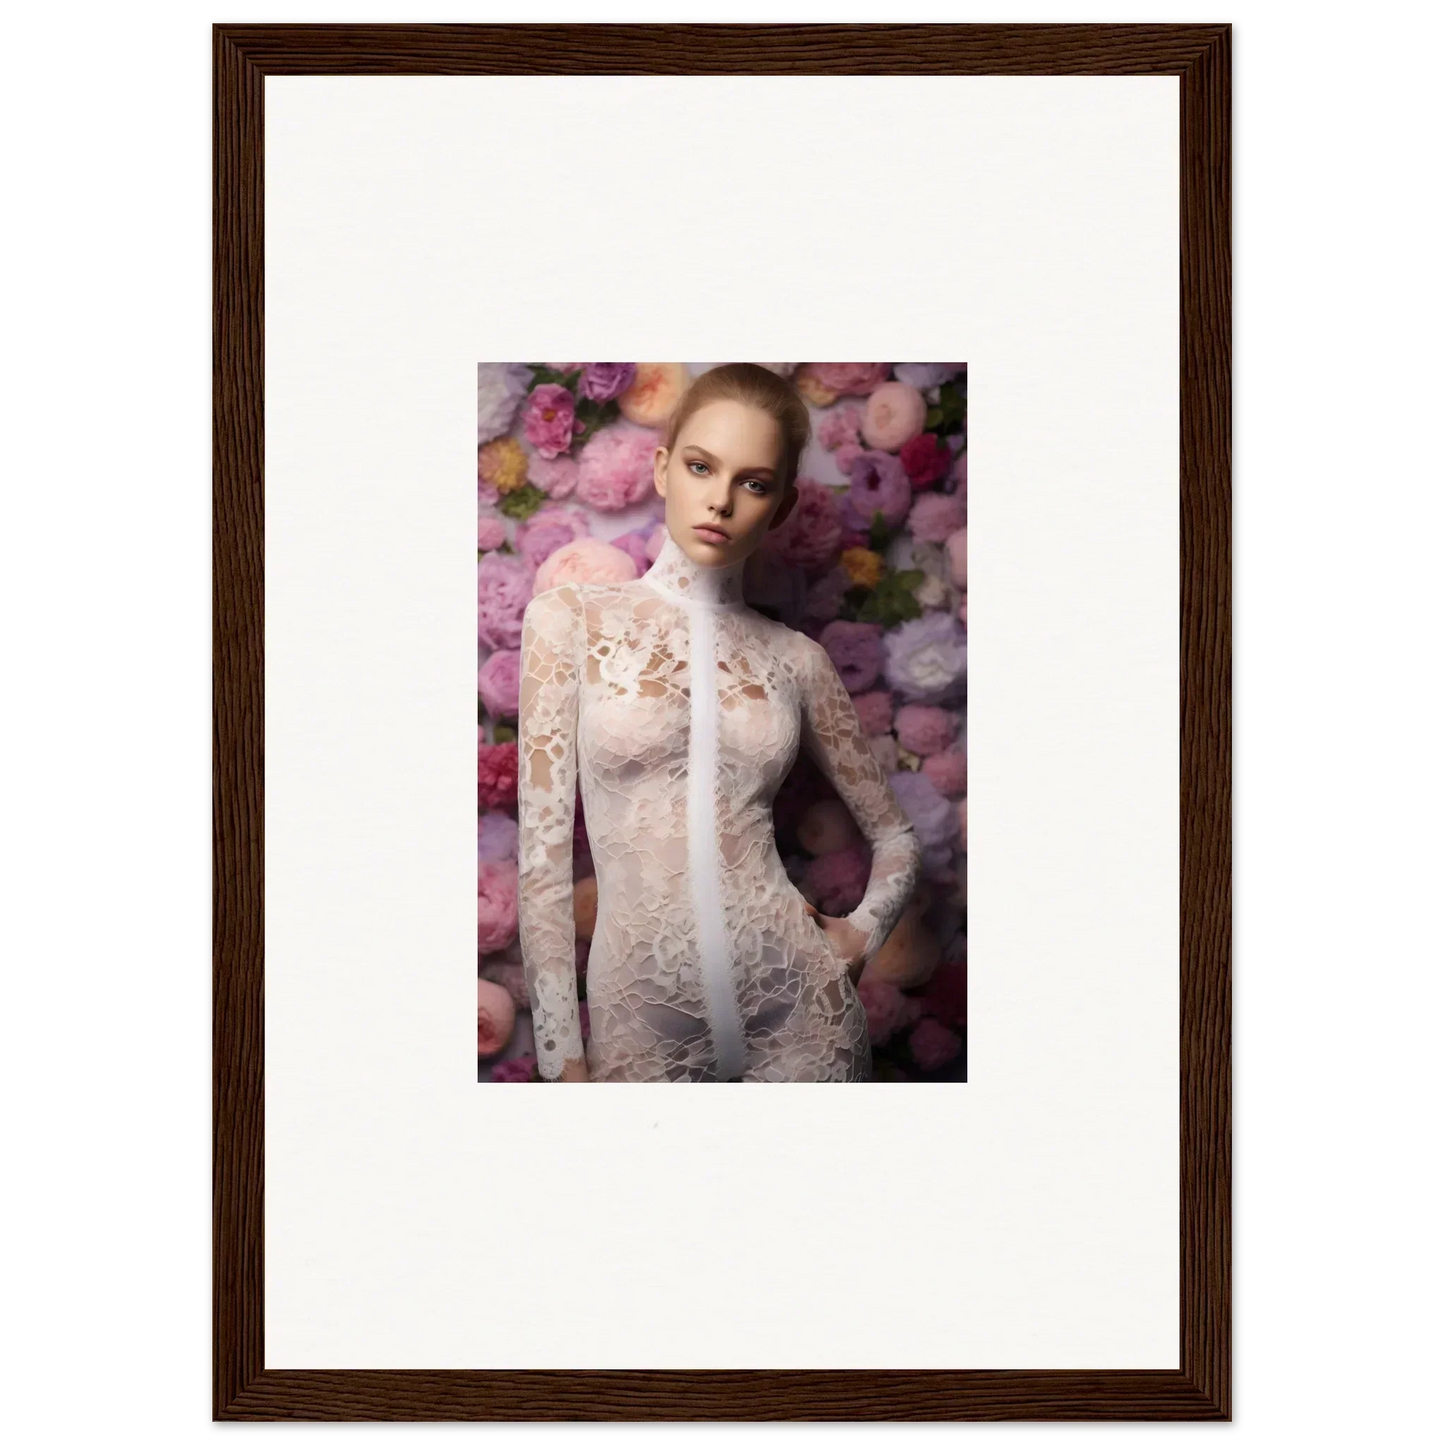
pixel 654 392
pixel 892 415
pixel 496 1016
pixel 587 559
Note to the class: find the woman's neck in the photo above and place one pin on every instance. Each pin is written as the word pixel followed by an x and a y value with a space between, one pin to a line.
pixel 676 574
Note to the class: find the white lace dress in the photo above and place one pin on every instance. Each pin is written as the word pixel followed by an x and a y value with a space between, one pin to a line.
pixel 680 711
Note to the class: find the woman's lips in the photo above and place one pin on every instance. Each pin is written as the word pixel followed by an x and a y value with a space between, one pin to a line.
pixel 711 534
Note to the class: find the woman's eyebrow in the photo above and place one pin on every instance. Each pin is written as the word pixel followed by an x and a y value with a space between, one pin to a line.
pixel 693 447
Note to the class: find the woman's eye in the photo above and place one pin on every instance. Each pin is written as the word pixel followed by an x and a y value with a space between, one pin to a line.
pixel 703 465
pixel 761 486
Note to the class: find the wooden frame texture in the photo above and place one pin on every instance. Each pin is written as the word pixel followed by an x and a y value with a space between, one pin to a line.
pixel 242 1389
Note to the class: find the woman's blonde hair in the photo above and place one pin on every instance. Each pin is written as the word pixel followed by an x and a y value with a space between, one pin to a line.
pixel 753 385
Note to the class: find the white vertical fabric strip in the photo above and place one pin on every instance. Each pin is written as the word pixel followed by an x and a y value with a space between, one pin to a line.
pixel 704 858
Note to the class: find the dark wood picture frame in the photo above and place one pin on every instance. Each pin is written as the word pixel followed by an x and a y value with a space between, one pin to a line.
pixel 242 1388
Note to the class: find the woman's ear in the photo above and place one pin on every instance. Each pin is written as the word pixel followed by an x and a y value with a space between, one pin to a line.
pixel 790 500
pixel 659 472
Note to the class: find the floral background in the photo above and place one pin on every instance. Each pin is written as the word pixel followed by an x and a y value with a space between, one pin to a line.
pixel 872 563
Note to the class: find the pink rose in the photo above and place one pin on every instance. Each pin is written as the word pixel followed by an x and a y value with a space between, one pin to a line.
pixel 875 712
pixel 885 1006
pixel 936 516
pixel 549 419
pixel 809 537
pixel 491 533
pixel 499 682
pixel 893 414
pixel 496 905
pixel 496 775
pixel 948 772
pixel 923 729
pixel 932 1045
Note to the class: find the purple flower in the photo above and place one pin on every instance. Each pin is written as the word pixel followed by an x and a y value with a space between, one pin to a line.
pixel 504 587
pixel 855 651
pixel 496 837
pixel 927 659
pixel 934 818
pixel 602 380
pixel 879 483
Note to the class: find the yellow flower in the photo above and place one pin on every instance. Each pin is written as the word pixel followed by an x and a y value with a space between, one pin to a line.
pixel 502 463
pixel 864 567
pixel 812 389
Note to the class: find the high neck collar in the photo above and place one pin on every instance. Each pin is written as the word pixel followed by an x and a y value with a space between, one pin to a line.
pixel 676 574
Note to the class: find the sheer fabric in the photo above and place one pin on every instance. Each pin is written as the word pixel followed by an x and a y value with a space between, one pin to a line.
pixel 679 711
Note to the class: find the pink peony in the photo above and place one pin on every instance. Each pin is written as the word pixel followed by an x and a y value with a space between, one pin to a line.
pixel 836 881
pixel 923 729
pixel 877 483
pixel 932 1045
pixel 552 525
pixel 587 560
pixel 856 651
pixel 513 978
pixel 936 516
pixel 491 533
pixel 875 712
pixel 557 476
pixel 615 467
pixel 847 454
pixel 499 682
pixel 496 1016
pixel 839 424
pixel 885 1005
pixel 948 772
pixel 496 905
pixel 656 388
pixel 926 458
pixel 521 1070
pixel 504 587
pixel 497 775
pixel 848 378
pixel 809 537
pixel 549 419
pixel 893 414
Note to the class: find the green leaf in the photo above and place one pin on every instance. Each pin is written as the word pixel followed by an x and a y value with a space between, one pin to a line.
pixel 520 505
pixel 504 733
pixel 879 532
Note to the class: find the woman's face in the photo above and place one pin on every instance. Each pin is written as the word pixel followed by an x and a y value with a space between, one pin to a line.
pixel 721 482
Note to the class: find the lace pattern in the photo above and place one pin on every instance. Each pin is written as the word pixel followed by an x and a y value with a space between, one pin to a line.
pixel 678 712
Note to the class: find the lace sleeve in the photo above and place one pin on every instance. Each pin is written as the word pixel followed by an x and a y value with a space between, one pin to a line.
pixel 833 736
pixel 546 792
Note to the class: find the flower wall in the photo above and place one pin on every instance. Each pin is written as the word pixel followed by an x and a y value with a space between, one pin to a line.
pixel 872 563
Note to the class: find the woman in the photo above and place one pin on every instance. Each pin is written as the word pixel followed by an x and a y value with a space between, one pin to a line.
pixel 682 709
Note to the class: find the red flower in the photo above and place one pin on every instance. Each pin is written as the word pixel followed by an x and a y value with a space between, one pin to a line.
pixel 496 775
pixel 925 458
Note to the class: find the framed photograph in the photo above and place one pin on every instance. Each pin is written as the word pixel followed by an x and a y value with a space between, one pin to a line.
pixel 732 706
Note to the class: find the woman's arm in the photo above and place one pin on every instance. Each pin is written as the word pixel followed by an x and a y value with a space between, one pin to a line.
pixel 835 739
pixel 552 656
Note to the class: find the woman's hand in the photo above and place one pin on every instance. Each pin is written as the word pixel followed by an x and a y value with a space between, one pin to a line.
pixel 846 941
